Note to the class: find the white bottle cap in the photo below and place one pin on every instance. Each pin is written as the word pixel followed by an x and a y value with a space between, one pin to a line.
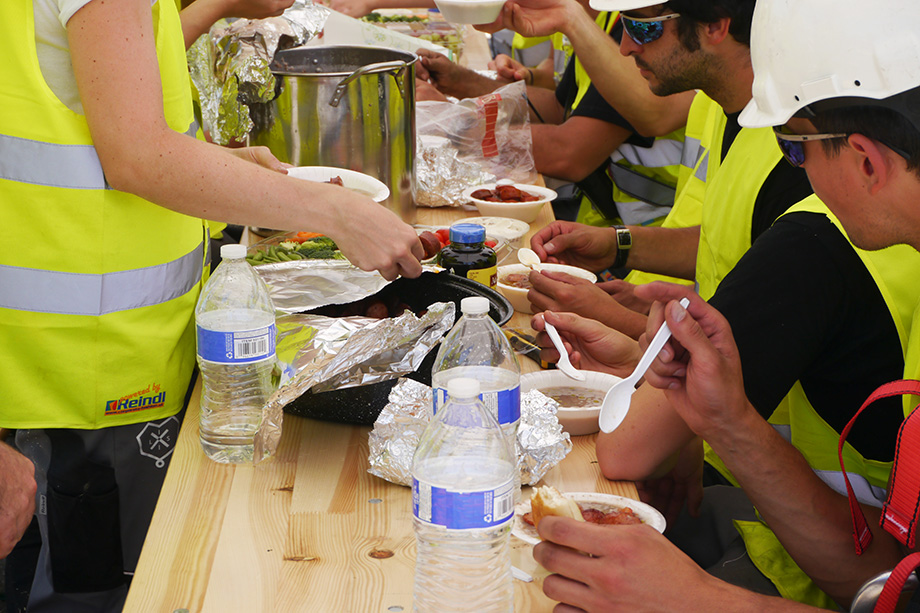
pixel 462 387
pixel 474 305
pixel 232 252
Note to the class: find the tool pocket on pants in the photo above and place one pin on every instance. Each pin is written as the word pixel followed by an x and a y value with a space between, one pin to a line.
pixel 84 535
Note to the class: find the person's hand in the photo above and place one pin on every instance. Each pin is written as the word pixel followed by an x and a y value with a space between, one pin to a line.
pixel 426 91
pixel 261 156
pixel 683 484
pixel 17 497
pixel 625 293
pixel 591 345
pixel 556 291
pixel 531 18
pixel 373 238
pixel 352 8
pixel 699 367
pixel 630 568
pixel 567 242
pixel 510 70
pixel 450 78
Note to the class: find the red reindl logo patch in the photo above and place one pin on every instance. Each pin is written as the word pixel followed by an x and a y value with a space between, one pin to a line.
pixel 149 398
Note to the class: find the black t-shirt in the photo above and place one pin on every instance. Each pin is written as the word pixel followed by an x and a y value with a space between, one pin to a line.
pixel 802 306
pixel 592 103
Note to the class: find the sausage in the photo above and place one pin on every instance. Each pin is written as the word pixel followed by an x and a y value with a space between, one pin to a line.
pixel 431 243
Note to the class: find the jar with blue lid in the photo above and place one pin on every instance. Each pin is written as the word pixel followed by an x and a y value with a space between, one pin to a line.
pixel 468 256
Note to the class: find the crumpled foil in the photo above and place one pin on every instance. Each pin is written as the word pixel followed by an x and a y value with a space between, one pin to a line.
pixel 302 285
pixel 450 140
pixel 540 444
pixel 323 353
pixel 231 67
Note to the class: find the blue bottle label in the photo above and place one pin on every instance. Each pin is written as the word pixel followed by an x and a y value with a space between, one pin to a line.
pixel 505 405
pixel 239 347
pixel 459 510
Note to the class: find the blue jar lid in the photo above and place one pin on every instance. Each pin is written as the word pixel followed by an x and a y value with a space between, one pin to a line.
pixel 467 233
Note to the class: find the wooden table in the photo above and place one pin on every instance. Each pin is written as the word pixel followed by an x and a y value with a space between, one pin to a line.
pixel 311 529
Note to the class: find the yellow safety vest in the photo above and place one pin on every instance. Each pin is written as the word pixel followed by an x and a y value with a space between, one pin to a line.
pixel 561 46
pixel 97 287
pixel 895 271
pixel 697 163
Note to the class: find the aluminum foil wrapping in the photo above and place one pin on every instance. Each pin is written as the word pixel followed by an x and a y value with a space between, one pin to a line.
pixel 540 444
pixel 323 353
pixel 302 285
pixel 230 67
pixel 457 146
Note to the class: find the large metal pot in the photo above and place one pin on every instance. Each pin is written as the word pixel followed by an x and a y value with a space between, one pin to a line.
pixel 348 107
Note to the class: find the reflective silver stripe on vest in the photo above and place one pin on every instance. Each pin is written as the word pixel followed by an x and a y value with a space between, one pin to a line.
pixel 32 161
pixel 54 165
pixel 865 492
pixel 45 291
pixel 704 166
pixel 692 152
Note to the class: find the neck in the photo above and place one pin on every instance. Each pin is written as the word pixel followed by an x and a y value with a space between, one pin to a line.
pixel 732 80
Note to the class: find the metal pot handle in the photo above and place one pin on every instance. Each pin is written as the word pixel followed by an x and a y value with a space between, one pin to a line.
pixel 397 65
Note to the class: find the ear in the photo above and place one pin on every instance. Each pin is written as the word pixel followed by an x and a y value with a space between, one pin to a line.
pixel 717 31
pixel 875 162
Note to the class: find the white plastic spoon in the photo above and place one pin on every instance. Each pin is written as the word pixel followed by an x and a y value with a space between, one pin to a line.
pixel 618 398
pixel 530 259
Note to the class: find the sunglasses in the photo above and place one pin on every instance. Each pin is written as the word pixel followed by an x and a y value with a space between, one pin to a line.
pixel 793 145
pixel 643 30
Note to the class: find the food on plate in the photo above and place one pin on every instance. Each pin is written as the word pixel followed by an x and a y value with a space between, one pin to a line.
pixel 504 193
pixel 572 397
pixel 304 246
pixel 547 500
pixel 373 306
pixel 516 279
pixel 336 181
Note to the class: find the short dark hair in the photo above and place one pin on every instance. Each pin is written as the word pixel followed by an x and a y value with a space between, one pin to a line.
pixel 884 125
pixel 695 12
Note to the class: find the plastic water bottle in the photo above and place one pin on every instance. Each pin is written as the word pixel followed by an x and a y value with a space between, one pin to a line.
pixel 463 504
pixel 236 354
pixel 477 348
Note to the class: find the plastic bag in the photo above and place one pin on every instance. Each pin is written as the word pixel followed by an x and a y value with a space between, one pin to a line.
pixel 474 141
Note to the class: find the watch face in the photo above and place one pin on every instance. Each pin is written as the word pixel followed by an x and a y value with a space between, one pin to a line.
pixel 624 238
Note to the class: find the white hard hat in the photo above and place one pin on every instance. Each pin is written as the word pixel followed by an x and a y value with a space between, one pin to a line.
pixel 843 52
pixel 622 5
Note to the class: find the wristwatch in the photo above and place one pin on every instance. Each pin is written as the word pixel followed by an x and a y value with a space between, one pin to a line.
pixel 624 244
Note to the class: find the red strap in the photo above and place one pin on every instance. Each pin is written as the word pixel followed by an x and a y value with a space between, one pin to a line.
pixel 901 509
pixel 891 592
pixel 862 536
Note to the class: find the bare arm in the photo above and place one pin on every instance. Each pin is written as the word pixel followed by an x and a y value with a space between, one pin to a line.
pixel 117 74
pixel 360 8
pixel 574 149
pixel 616 77
pixel 200 15
pixel 665 251
pixel 17 496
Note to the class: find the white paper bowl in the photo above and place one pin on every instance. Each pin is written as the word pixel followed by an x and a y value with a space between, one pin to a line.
pixel 508 228
pixel 575 421
pixel 470 11
pixel 605 502
pixel 518 296
pixel 525 211
pixel 353 180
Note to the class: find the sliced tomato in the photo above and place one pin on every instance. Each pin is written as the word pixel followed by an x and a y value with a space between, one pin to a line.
pixel 491 244
pixel 443 235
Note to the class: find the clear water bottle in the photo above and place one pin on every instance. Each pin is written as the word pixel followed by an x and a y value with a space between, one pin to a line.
pixel 463 504
pixel 477 348
pixel 236 355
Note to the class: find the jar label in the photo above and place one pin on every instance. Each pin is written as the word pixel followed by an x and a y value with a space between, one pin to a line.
pixel 240 347
pixel 486 276
pixel 504 405
pixel 458 509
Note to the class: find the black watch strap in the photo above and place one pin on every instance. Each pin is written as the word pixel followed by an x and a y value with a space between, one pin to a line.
pixel 624 244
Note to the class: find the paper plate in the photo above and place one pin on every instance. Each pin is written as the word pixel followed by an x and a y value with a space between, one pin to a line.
pixel 605 502
pixel 353 180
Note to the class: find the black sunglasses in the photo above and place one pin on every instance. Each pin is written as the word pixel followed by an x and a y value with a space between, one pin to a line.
pixel 793 145
pixel 643 30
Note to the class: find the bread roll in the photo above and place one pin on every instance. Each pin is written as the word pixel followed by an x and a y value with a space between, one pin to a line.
pixel 546 500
